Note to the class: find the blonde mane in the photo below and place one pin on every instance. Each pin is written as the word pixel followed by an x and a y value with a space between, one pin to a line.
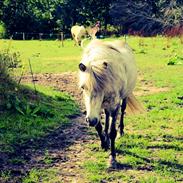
pixel 99 79
pixel 99 72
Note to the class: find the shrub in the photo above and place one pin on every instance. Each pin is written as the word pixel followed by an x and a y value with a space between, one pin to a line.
pixel 8 62
pixel 2 30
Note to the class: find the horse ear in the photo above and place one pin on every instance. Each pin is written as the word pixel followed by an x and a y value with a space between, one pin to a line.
pixel 82 67
pixel 105 65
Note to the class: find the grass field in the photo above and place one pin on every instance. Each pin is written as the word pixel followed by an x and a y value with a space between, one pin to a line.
pixel 152 148
pixel 45 56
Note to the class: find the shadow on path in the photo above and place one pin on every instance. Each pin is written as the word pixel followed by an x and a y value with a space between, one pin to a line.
pixel 32 154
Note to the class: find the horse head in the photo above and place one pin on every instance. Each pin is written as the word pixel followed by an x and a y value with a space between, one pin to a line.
pixel 91 84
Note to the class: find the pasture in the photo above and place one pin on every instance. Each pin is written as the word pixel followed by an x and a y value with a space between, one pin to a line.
pixel 151 149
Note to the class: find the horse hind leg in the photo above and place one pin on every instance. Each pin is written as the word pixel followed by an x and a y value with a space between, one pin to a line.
pixel 123 107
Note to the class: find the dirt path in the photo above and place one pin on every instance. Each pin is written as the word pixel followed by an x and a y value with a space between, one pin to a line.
pixel 68 82
pixel 64 146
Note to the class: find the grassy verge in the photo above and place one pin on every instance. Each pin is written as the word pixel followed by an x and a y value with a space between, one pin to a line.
pixel 23 122
pixel 27 118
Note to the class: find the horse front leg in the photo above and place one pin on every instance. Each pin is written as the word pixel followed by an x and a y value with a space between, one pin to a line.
pixel 98 127
pixel 74 38
pixel 123 107
pixel 106 130
pixel 112 135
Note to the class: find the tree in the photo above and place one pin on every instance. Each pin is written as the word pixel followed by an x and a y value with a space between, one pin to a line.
pixel 28 15
pixel 52 15
pixel 94 10
pixel 147 17
pixel 15 15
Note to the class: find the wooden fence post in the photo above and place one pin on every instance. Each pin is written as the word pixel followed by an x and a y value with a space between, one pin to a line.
pixel 125 38
pixel 62 39
pixel 40 36
pixel 23 35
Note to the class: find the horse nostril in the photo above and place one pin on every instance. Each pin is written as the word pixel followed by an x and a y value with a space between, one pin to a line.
pixel 93 122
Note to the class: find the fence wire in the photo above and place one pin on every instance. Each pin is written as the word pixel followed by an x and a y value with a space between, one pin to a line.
pixel 38 36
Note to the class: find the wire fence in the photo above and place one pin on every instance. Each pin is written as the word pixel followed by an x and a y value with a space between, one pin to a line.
pixel 38 36
pixel 47 36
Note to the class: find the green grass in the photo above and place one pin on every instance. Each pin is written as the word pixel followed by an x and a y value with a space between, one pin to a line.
pixel 151 150
pixel 18 126
pixel 27 117
pixel 45 56
pixel 41 175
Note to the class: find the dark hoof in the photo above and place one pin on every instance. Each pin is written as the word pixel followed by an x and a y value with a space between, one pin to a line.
pixel 112 163
pixel 105 144
pixel 122 133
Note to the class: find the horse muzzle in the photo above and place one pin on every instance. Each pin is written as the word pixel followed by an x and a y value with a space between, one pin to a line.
pixel 92 122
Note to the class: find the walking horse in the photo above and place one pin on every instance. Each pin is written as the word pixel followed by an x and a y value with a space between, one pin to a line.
pixel 107 76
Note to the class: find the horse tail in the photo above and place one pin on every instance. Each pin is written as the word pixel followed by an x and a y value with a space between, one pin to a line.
pixel 133 105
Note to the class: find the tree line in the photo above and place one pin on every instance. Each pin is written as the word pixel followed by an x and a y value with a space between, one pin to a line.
pixel 149 17
pixel 52 16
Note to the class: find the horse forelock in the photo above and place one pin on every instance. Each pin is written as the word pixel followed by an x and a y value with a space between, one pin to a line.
pixel 93 79
pixel 97 76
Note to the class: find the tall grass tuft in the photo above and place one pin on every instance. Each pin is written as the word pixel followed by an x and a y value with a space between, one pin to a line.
pixel 8 63
pixel 2 30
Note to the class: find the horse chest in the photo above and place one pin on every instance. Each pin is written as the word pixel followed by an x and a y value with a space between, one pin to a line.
pixel 110 101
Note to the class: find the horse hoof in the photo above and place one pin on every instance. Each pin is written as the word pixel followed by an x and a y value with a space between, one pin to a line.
pixel 105 146
pixel 122 133
pixel 112 163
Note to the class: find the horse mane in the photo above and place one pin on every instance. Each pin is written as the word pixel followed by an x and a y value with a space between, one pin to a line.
pixel 100 77
pixel 99 70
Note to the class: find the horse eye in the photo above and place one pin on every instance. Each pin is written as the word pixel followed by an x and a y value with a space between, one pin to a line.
pixel 82 87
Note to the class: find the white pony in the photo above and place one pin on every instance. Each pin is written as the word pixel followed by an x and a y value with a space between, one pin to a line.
pixel 91 31
pixel 78 33
pixel 108 76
